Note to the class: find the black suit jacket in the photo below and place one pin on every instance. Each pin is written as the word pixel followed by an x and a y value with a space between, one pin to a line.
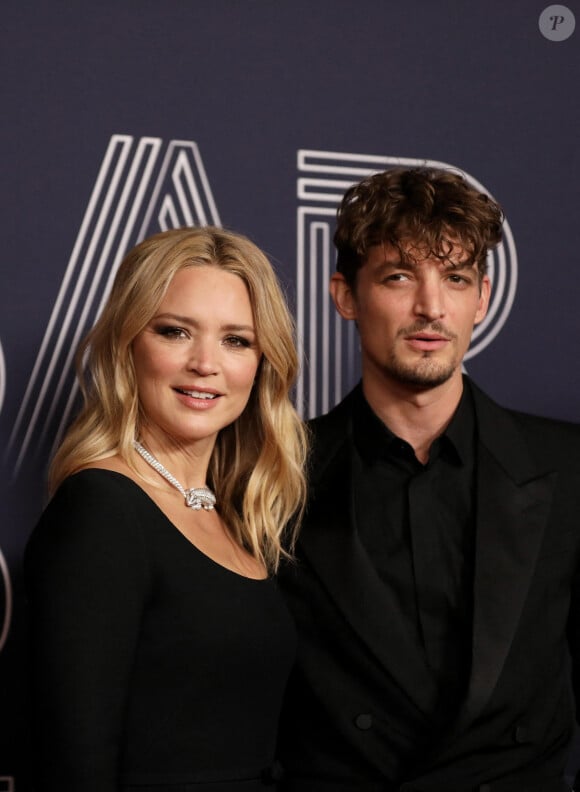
pixel 362 690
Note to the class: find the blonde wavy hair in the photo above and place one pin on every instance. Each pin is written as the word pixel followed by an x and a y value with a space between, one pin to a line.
pixel 257 465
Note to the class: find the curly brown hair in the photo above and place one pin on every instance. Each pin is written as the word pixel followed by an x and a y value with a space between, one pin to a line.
pixel 432 208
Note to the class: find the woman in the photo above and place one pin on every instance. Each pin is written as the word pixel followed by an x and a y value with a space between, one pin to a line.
pixel 160 645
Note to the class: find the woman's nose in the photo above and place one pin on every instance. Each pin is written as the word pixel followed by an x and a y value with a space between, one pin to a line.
pixel 203 358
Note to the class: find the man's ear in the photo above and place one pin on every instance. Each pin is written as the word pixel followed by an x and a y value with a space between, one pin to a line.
pixel 484 295
pixel 343 296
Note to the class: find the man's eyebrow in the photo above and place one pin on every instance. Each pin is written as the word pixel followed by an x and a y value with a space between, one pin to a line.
pixel 409 264
pixel 397 263
pixel 469 263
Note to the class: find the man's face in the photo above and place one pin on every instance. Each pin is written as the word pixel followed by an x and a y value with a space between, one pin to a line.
pixel 415 314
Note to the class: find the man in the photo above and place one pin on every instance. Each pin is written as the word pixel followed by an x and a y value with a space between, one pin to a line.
pixel 435 582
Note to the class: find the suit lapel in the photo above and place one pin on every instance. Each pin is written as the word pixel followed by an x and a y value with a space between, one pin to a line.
pixel 332 546
pixel 513 502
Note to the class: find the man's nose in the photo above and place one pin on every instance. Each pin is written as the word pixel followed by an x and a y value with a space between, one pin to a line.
pixel 430 299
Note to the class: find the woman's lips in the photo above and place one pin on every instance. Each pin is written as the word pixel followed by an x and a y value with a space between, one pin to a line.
pixel 200 398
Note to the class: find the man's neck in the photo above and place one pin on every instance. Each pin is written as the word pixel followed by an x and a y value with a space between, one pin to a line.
pixel 417 416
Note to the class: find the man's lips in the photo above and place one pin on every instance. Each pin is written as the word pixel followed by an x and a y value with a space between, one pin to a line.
pixel 427 341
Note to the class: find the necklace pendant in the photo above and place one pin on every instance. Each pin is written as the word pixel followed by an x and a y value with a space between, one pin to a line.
pixel 200 498
pixel 196 497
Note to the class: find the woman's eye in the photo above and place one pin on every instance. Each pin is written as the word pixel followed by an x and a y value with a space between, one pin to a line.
pixel 171 332
pixel 237 341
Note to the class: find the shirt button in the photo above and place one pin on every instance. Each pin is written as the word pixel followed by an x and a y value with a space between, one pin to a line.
pixel 363 721
pixel 520 734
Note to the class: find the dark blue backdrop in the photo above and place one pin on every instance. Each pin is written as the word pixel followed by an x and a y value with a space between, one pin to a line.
pixel 244 87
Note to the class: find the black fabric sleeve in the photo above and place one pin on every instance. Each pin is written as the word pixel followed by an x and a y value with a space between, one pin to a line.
pixel 87 579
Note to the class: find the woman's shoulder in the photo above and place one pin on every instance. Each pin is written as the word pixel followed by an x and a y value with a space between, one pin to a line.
pixel 91 508
pixel 99 487
pixel 91 531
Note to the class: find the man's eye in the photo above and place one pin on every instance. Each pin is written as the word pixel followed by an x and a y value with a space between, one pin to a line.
pixel 460 279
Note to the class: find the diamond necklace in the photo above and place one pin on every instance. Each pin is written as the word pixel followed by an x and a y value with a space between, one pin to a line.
pixel 196 497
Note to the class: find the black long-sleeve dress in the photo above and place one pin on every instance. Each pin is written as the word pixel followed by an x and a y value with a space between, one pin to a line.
pixel 152 665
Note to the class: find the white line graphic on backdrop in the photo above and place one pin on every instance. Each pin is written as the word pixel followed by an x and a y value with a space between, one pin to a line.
pixel 329 347
pixel 7 618
pixel 2 377
pixel 134 195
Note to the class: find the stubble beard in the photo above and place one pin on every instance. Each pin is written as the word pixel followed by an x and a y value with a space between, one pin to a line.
pixel 423 374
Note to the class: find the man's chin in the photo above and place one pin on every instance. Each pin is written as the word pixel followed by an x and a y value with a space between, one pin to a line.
pixel 422 377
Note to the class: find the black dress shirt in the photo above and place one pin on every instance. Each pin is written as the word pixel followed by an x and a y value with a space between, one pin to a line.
pixel 417 524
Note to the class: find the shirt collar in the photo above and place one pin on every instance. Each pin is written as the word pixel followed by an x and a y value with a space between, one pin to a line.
pixel 374 440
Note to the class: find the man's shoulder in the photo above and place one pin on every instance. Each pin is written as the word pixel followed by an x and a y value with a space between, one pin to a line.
pixel 334 415
pixel 330 432
pixel 336 422
pixel 525 418
pixel 545 433
pixel 550 435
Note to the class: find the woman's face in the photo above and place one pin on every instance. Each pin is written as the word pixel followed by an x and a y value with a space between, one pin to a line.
pixel 197 358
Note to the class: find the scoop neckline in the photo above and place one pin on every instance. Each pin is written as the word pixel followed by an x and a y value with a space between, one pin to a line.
pixel 116 473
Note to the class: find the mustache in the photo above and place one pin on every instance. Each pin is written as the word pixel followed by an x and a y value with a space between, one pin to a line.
pixel 432 327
